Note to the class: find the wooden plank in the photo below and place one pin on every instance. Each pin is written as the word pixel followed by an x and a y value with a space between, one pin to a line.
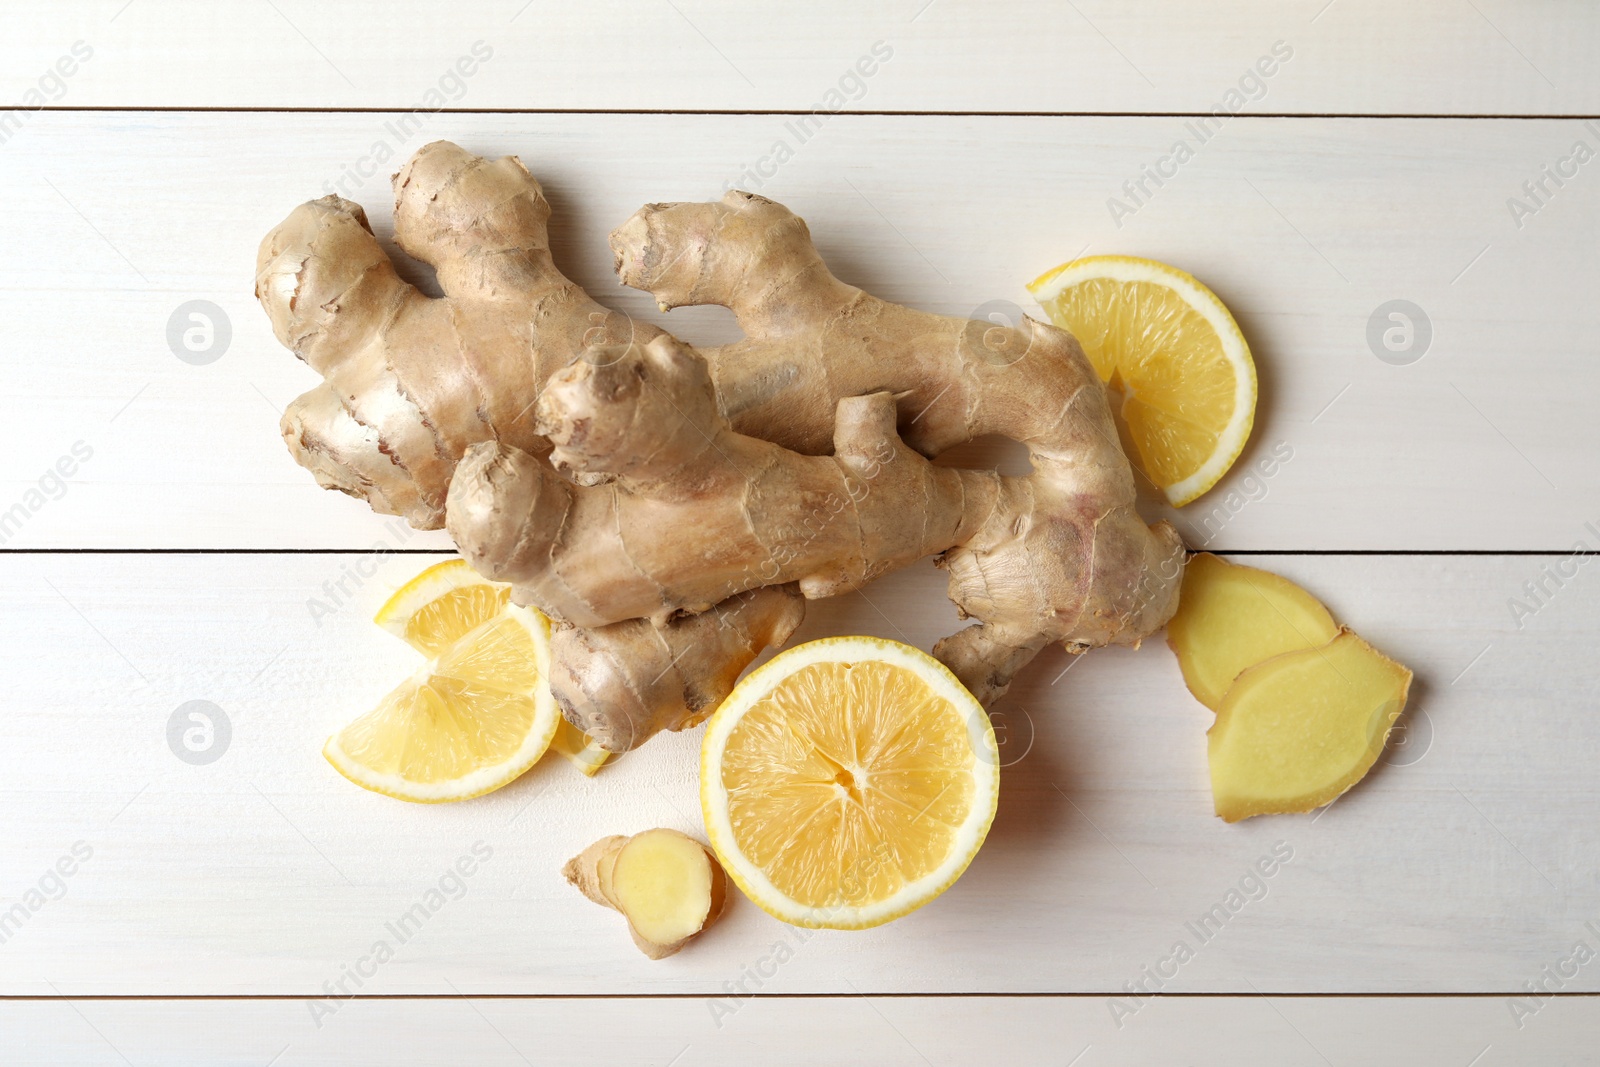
pixel 916 1032
pixel 1307 228
pixel 1463 865
pixel 1354 56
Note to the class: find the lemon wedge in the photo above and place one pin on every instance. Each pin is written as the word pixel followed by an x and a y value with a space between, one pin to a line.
pixel 437 607
pixel 1173 353
pixel 478 714
pixel 468 723
pixel 848 782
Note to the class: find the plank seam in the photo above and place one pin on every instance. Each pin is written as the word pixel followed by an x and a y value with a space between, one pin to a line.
pixel 238 110
pixel 1251 995
pixel 1443 552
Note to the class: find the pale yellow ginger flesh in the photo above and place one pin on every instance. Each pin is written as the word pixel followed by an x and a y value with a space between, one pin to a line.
pixel 826 413
pixel 1231 617
pixel 666 884
pixel 1296 731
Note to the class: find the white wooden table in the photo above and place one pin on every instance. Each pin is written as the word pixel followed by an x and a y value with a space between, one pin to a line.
pixel 212 908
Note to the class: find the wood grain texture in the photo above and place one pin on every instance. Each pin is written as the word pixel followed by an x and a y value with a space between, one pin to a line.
pixel 1463 865
pixel 1305 227
pixel 913 1032
pixel 1351 56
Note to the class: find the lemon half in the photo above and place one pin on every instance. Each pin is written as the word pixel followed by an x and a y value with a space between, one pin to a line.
pixel 848 782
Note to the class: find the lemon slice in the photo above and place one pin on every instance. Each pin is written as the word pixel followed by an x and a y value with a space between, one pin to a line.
pixel 847 782
pixel 1171 349
pixel 438 606
pixel 466 724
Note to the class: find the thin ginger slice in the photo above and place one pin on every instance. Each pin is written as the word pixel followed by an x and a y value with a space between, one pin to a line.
pixel 1296 731
pixel 1231 617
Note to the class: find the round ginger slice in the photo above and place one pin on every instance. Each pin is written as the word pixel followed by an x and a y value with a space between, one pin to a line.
pixel 848 782
pixel 668 887
pixel 1298 730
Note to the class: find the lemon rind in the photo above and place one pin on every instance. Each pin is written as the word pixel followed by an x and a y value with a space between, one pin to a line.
pixel 437 580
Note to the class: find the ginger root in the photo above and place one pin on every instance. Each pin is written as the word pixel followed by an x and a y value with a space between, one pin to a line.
pixel 1062 555
pixel 622 683
pixel 640 527
pixel 1231 617
pixel 666 884
pixel 410 381
pixel 758 514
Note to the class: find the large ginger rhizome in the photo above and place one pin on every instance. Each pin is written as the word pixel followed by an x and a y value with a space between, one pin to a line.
pixel 671 508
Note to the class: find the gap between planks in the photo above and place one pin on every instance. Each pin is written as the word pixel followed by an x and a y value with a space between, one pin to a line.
pixel 446 551
pixel 900 995
pixel 741 112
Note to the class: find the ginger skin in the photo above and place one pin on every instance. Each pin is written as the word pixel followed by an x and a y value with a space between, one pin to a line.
pixel 1062 556
pixel 413 385
pixel 667 885
pixel 622 683
pixel 411 381
pixel 646 419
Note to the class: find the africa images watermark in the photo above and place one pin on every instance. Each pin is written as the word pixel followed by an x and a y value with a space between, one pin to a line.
pixel 850 86
pixel 1538 191
pixel 1250 488
pixel 1251 888
pixel 853 887
pixel 1251 87
pixel 338 592
pixel 1543 588
pixel 451 885
pixel 48 88
pixel 51 485
pixel 48 887
pixel 1551 979
pixel 447 89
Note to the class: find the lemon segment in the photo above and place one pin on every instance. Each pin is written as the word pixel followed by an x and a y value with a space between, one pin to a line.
pixel 468 723
pixel 440 605
pixel 848 782
pixel 1170 349
pixel 578 748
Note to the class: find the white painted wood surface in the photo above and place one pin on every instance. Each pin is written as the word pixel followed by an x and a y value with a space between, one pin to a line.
pixel 893 1031
pixel 1466 869
pixel 1465 865
pixel 1350 56
pixel 1304 226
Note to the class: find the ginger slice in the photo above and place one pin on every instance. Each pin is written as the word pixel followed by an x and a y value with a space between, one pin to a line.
pixel 1296 731
pixel 1231 617
pixel 666 884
